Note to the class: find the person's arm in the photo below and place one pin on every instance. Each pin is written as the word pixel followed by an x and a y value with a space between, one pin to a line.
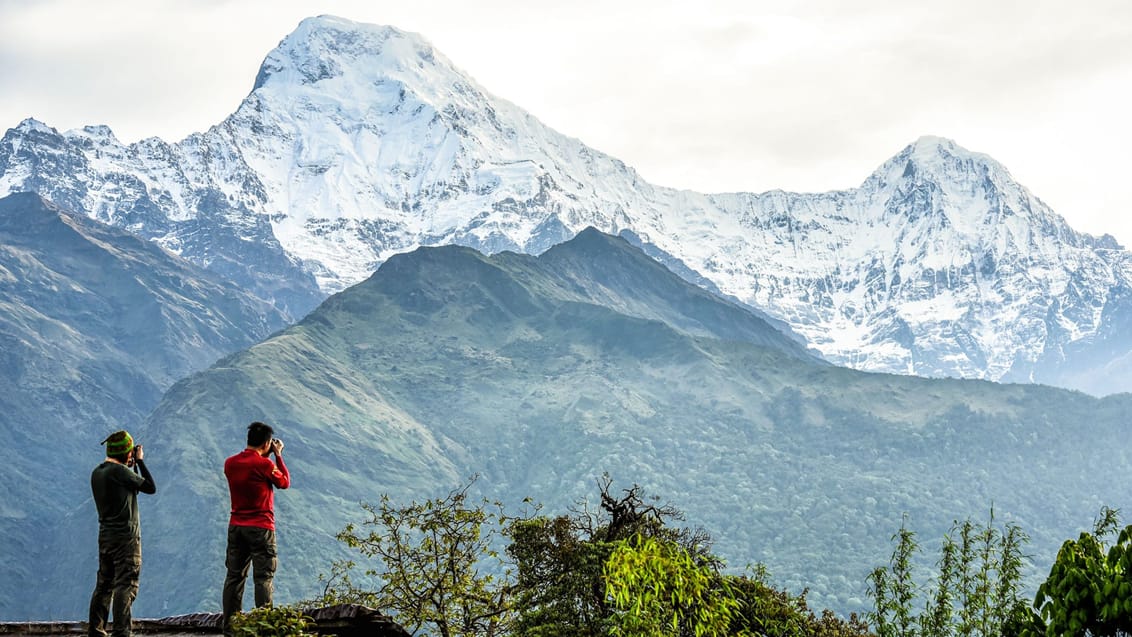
pixel 147 485
pixel 280 477
pixel 143 482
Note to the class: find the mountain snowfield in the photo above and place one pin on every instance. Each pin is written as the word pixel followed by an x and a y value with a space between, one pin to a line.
pixel 358 142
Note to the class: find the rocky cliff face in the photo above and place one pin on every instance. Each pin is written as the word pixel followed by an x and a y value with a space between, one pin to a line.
pixel 358 142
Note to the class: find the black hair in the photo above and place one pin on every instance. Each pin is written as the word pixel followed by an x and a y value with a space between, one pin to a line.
pixel 259 434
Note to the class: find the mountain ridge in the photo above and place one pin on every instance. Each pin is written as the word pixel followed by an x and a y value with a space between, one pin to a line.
pixel 358 142
pixel 448 362
pixel 95 324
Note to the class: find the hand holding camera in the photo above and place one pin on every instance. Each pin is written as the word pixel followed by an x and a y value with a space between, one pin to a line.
pixel 276 446
pixel 138 454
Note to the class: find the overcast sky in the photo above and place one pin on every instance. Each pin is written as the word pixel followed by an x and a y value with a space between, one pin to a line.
pixel 749 95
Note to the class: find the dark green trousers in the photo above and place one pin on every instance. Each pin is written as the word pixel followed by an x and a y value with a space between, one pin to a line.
pixel 119 567
pixel 254 547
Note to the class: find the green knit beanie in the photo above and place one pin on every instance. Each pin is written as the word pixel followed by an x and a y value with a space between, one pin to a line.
pixel 119 443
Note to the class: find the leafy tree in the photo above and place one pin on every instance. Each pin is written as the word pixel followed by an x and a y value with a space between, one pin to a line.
pixel 765 610
pixel 989 576
pixel 556 594
pixel 658 588
pixel 1089 588
pixel 621 569
pixel 561 573
pixel 560 561
pixel 339 588
pixel 434 555
pixel 771 612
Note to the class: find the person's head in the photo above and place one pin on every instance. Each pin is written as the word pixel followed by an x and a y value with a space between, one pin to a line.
pixel 259 436
pixel 119 446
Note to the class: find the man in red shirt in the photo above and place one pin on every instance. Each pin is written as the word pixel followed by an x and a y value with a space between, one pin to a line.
pixel 252 480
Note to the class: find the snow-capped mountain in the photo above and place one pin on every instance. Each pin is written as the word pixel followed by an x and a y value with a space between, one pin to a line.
pixel 358 142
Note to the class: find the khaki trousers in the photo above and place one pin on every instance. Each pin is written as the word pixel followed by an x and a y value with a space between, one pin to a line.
pixel 119 567
pixel 254 547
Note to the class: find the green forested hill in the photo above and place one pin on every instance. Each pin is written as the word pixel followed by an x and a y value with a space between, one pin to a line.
pixel 539 374
pixel 95 325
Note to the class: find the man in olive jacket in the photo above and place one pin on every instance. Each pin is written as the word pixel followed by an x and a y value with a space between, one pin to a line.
pixel 115 488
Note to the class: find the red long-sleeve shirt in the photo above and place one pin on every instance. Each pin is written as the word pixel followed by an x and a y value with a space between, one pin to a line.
pixel 252 480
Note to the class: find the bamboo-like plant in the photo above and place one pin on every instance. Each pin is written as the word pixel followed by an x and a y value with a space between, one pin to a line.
pixel 976 591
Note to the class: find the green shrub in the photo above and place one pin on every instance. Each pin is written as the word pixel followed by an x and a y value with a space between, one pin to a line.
pixel 272 621
pixel 772 612
pixel 1089 588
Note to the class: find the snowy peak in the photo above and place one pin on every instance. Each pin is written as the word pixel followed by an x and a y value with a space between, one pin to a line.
pixel 969 192
pixel 32 125
pixel 321 49
pixel 328 52
pixel 931 151
pixel 99 135
pixel 939 160
pixel 365 136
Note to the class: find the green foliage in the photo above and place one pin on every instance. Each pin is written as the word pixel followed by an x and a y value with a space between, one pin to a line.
pixel 557 570
pixel 940 610
pixel 658 588
pixel 1089 588
pixel 561 590
pixel 766 610
pixel 893 588
pixel 272 621
pixel 977 589
pixel 339 588
pixel 434 554
pixel 622 570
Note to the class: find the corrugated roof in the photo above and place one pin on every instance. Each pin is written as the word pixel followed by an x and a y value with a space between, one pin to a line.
pixel 345 620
